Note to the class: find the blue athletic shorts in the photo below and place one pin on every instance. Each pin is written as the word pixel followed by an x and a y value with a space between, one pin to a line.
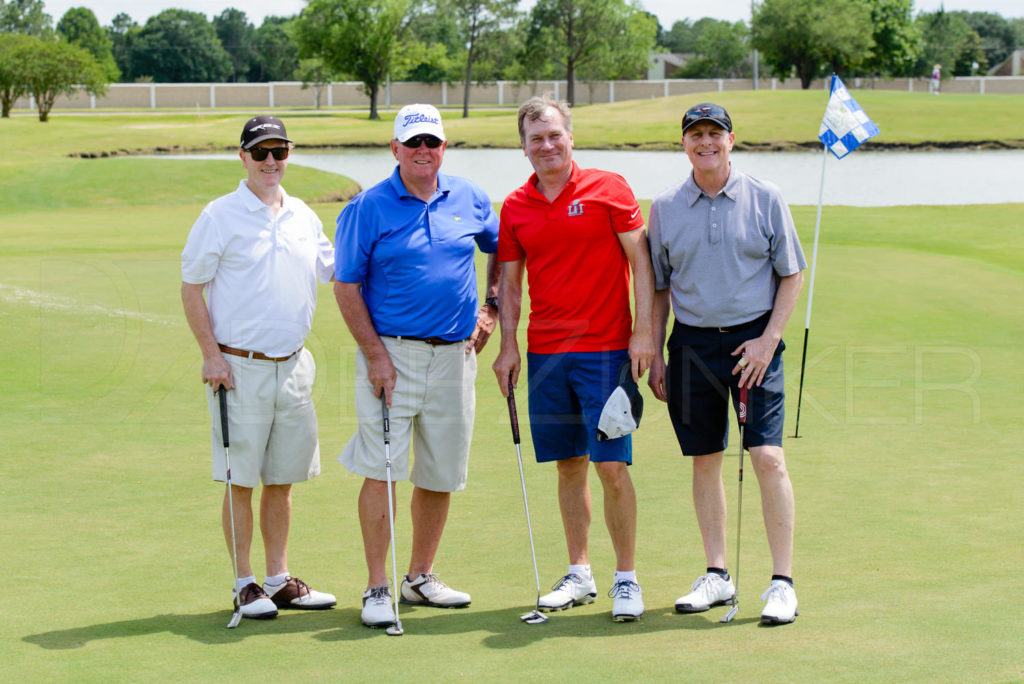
pixel 567 392
pixel 700 384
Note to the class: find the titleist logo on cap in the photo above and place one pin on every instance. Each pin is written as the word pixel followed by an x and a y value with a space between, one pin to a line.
pixel 416 118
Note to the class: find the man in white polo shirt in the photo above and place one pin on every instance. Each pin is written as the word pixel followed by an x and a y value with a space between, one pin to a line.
pixel 258 253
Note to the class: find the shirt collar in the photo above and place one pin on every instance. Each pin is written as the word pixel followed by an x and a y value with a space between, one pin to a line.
pixel 443 186
pixel 731 189
pixel 254 203
pixel 531 185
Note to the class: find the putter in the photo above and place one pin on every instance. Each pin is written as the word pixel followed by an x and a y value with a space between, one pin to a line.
pixel 395 629
pixel 742 420
pixel 534 617
pixel 222 393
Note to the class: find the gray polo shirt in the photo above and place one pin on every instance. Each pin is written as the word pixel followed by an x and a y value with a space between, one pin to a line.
pixel 722 257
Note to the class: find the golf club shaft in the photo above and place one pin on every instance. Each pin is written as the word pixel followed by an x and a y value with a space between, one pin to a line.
pixel 391 509
pixel 222 394
pixel 513 416
pixel 742 419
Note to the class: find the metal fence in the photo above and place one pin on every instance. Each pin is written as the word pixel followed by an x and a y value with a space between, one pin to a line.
pixel 122 96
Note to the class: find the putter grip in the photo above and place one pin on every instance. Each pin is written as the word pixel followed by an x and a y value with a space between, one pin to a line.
pixel 222 394
pixel 385 416
pixel 513 417
pixel 743 405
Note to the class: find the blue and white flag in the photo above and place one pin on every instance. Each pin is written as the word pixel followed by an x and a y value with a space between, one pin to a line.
pixel 845 125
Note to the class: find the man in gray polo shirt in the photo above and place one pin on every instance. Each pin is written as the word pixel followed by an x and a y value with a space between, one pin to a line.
pixel 727 259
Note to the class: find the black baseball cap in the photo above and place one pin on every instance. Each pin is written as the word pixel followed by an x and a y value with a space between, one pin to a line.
pixel 707 111
pixel 260 128
pixel 622 411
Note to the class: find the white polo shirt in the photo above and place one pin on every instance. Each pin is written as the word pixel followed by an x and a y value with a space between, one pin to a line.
pixel 260 270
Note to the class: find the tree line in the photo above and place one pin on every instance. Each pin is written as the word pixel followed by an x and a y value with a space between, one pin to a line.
pixel 469 41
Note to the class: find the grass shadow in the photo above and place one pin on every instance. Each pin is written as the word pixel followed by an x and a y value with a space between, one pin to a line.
pixel 504 629
pixel 206 628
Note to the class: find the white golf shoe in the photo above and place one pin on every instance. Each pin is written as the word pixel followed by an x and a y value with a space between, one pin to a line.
pixel 294 593
pixel 428 590
pixel 571 590
pixel 254 603
pixel 377 610
pixel 628 601
pixel 781 606
pixel 708 591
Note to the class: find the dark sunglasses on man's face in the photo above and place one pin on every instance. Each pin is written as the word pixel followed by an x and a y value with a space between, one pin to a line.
pixel 428 140
pixel 260 153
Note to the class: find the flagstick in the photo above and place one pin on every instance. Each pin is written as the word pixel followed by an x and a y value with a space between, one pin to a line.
pixel 810 291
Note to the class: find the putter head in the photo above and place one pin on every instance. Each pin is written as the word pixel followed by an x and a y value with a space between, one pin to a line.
pixel 395 630
pixel 731 614
pixel 534 617
pixel 236 617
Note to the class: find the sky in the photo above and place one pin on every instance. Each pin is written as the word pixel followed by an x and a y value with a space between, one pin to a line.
pixel 667 11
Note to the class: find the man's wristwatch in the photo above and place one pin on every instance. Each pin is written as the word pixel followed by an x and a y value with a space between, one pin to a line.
pixel 492 302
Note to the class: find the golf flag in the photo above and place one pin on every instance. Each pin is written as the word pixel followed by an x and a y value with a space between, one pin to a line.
pixel 845 125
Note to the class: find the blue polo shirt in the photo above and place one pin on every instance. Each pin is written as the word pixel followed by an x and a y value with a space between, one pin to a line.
pixel 415 259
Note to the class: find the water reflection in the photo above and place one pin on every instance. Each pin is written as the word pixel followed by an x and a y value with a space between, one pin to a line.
pixel 864 178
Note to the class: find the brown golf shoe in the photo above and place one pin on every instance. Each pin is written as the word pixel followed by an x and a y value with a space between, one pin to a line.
pixel 295 593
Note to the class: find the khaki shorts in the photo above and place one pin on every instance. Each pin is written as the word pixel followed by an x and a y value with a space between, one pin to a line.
pixel 432 408
pixel 271 422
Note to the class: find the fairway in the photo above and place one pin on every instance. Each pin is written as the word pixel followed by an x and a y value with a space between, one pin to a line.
pixel 908 472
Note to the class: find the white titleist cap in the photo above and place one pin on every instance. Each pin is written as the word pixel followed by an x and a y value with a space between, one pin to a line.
pixel 418 119
pixel 622 412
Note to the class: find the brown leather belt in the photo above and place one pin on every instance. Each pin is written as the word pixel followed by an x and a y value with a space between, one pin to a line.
pixel 256 355
pixel 432 341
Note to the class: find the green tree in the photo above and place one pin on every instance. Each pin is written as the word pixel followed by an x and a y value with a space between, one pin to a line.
pixel 598 38
pixel 276 55
pixel 997 36
pixel 812 37
pixel 122 33
pixel 478 22
pixel 177 46
pixel 79 27
pixel 949 41
pixel 720 50
pixel 362 38
pixel 53 69
pixel 898 43
pixel 13 47
pixel 680 38
pixel 237 35
pixel 25 16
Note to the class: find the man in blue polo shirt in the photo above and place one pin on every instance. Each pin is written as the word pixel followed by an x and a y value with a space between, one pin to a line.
pixel 406 286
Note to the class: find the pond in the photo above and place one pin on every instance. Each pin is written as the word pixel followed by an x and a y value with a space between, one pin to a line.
pixel 864 178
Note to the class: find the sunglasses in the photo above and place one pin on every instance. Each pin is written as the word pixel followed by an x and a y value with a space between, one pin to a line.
pixel 260 153
pixel 428 140
pixel 698 113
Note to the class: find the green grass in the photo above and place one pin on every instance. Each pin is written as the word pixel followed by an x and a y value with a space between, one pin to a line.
pixel 761 118
pixel 910 531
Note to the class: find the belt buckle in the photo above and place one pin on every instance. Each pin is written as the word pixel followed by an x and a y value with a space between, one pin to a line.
pixel 723 330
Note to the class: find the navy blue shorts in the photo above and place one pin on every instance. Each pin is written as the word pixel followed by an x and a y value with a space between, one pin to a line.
pixel 700 386
pixel 567 392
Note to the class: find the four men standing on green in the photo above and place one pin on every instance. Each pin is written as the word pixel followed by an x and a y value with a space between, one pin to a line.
pixel 723 257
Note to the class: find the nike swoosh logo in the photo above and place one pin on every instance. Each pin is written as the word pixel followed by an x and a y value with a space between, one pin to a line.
pixel 635 212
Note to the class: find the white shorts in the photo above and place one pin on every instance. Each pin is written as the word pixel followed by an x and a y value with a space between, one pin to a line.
pixel 432 408
pixel 272 424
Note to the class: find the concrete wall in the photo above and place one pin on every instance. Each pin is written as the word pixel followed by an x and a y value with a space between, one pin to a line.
pixel 261 96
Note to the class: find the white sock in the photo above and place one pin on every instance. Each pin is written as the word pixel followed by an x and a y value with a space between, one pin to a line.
pixel 243 582
pixel 275 580
pixel 581 570
pixel 625 576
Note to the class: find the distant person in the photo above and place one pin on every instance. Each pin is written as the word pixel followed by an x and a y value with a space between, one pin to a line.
pixel 407 289
pixel 578 233
pixel 258 253
pixel 727 258
pixel 936 81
